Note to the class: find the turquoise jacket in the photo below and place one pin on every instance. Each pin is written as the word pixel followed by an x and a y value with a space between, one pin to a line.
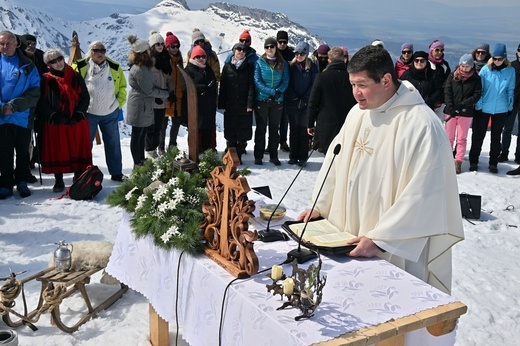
pixel 498 90
pixel 268 80
pixel 25 94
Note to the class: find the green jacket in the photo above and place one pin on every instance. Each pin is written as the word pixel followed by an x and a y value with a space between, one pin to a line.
pixel 117 73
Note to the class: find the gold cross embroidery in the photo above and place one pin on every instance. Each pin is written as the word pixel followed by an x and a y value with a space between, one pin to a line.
pixel 361 144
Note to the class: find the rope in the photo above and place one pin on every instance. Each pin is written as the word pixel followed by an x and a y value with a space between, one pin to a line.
pixel 8 293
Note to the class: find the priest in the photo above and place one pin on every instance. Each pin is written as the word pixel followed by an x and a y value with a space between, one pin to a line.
pixel 392 185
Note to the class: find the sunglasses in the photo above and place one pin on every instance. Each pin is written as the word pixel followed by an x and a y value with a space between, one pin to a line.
pixel 482 52
pixel 239 49
pixel 199 42
pixel 199 57
pixel 100 50
pixel 55 61
pixel 245 40
pixel 31 43
pixel 282 42
pixel 420 61
pixel 298 53
pixel 439 49
pixel 498 59
pixel 406 52
pixel 173 46
pixel 323 58
pixel 159 44
pixel 270 46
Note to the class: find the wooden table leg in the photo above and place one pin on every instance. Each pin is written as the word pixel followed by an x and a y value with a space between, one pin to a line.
pixel 159 331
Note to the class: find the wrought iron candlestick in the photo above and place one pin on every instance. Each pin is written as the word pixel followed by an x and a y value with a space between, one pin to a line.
pixel 307 289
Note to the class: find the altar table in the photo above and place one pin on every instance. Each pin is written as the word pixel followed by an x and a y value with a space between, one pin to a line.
pixel 365 301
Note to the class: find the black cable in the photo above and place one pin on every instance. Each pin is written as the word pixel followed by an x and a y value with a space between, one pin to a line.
pixel 177 301
pixel 224 301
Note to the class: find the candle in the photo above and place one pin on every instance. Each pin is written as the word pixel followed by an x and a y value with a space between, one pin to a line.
pixel 276 272
pixel 288 286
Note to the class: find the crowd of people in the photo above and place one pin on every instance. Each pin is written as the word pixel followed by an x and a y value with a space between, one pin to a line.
pixel 296 97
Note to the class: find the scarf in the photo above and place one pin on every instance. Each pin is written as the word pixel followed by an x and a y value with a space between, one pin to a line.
pixel 162 61
pixel 461 75
pixel 435 61
pixel 197 63
pixel 236 62
pixel 68 89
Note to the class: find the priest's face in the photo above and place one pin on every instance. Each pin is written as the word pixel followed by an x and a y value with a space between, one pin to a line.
pixel 368 93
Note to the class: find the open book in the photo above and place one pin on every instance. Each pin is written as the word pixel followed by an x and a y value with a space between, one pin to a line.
pixel 321 233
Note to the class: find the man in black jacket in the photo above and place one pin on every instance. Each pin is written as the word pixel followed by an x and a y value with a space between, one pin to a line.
pixel 330 101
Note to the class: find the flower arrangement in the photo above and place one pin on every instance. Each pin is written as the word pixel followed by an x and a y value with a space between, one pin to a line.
pixel 167 205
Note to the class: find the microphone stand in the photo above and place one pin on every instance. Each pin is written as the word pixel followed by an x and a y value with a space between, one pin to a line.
pixel 304 255
pixel 268 235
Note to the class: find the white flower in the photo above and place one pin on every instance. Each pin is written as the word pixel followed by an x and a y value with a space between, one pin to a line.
pixel 157 174
pixel 178 194
pixel 140 201
pixel 128 195
pixel 172 204
pixel 180 155
pixel 173 231
pixel 173 181
pixel 163 207
pixel 165 237
pixel 160 192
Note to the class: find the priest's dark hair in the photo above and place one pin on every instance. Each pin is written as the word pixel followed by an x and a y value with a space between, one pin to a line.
pixel 376 61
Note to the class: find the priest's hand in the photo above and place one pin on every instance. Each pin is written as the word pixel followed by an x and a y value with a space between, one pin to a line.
pixel 365 247
pixel 304 216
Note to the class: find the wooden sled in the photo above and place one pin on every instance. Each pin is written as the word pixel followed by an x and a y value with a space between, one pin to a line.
pixel 55 287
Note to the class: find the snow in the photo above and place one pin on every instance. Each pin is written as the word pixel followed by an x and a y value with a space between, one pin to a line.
pixel 484 264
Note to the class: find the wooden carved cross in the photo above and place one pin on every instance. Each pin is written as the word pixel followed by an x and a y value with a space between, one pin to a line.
pixel 226 216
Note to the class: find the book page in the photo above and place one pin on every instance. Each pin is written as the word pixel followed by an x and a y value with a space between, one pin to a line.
pixel 322 233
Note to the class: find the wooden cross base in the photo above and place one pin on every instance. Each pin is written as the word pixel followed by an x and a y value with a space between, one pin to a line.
pixel 226 264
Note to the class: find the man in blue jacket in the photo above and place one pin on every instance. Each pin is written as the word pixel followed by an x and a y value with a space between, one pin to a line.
pixel 19 92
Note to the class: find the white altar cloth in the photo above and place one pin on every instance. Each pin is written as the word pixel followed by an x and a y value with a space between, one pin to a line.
pixel 358 293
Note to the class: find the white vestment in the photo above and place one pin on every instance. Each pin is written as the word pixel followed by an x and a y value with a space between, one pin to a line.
pixel 394 181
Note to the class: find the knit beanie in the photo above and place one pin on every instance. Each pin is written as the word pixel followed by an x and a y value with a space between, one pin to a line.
pixel 196 51
pixel 197 35
pixel 155 37
pixel 282 35
pixel 270 41
pixel 436 44
pixel 245 36
pixel 302 47
pixel 323 49
pixel 483 46
pixel 407 46
pixel 378 43
pixel 499 50
pixel 29 37
pixel 420 54
pixel 138 45
pixel 171 39
pixel 467 59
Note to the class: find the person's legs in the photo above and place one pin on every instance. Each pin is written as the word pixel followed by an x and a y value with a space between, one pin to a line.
pixel 497 125
pixel 479 129
pixel 261 112
pixel 463 124
pixel 451 128
pixel 109 127
pixel 6 161
pixel 303 143
pixel 274 116
pixel 506 136
pixel 137 144
pixel 174 131
pixel 93 122
pixel 158 118
pixel 22 171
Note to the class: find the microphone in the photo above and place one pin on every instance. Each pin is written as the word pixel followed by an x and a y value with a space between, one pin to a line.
pixel 269 235
pixel 305 255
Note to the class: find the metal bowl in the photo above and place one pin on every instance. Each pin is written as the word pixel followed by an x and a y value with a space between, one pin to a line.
pixel 267 209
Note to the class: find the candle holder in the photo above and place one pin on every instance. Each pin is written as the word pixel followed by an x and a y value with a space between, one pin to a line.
pixel 305 292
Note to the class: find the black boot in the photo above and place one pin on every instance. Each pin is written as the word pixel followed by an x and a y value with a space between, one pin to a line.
pixel 59 185
pixel 514 171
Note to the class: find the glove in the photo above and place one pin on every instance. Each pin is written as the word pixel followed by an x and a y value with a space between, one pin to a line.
pixel 171 97
pixel 277 95
pixel 158 101
pixel 210 84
